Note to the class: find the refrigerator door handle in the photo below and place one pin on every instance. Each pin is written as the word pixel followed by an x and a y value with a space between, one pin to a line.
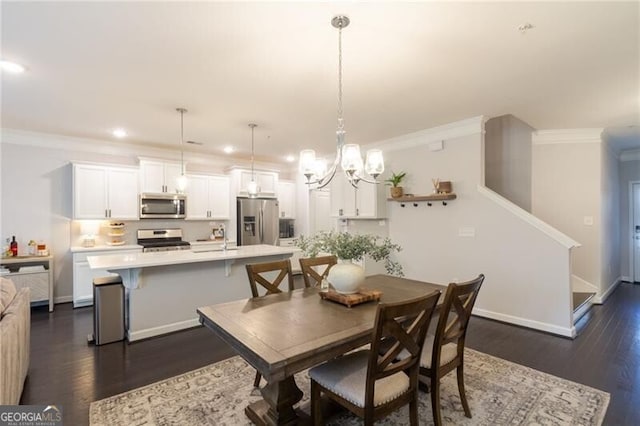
pixel 261 226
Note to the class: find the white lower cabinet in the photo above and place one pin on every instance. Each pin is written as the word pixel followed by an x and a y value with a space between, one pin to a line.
pixel 83 275
pixel 295 257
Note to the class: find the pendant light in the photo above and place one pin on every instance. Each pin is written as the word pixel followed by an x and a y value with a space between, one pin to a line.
pixel 181 181
pixel 252 188
pixel 347 155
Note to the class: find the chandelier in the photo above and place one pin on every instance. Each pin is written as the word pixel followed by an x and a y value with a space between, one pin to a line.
pixel 347 155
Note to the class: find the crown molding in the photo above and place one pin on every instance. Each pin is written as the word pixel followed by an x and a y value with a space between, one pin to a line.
pixel 457 129
pixel 561 136
pixel 123 149
pixel 631 155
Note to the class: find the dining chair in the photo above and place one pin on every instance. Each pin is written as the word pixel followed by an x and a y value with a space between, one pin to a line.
pixel 444 352
pixel 312 276
pixel 257 272
pixel 256 275
pixel 372 386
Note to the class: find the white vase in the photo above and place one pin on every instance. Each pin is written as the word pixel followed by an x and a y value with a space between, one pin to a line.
pixel 345 277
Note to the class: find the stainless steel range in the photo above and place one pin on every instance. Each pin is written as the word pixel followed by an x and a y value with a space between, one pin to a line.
pixel 161 240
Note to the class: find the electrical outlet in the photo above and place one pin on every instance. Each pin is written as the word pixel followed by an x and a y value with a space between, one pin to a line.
pixel 588 220
pixel 382 222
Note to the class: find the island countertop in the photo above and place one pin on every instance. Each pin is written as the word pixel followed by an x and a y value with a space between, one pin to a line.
pixel 142 260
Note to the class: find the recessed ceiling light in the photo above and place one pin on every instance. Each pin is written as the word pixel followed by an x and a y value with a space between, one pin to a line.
pixel 291 158
pixel 228 149
pixel 119 133
pixel 11 67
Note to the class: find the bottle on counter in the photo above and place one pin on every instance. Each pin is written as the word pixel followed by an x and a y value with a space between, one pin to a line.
pixel 14 246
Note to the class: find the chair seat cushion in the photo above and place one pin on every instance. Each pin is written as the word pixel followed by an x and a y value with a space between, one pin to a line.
pixel 347 376
pixel 447 353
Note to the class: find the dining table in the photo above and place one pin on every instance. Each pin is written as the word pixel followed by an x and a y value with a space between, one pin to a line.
pixel 284 333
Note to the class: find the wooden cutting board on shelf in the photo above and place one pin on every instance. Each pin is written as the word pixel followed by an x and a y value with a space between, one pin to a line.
pixel 349 300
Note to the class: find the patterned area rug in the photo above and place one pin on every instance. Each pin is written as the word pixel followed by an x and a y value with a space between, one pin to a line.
pixel 499 393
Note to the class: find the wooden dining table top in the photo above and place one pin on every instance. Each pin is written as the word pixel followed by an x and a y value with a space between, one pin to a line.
pixel 284 333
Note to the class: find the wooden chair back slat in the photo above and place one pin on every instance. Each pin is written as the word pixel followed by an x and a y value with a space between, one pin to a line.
pixel 405 324
pixel 255 272
pixel 459 299
pixel 312 277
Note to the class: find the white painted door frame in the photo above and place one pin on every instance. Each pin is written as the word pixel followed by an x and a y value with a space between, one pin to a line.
pixel 632 242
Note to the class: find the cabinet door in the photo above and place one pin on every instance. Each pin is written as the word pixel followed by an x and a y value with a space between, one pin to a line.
pixel 89 192
pixel 320 212
pixel 286 199
pixel 151 176
pixel 198 197
pixel 171 174
pixel 366 200
pixel 343 197
pixel 219 197
pixel 267 183
pixel 123 193
pixel 83 277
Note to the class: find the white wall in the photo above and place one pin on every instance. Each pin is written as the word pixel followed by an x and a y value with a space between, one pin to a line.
pixel 610 199
pixel 629 172
pixel 36 185
pixel 508 159
pixel 566 189
pixel 527 271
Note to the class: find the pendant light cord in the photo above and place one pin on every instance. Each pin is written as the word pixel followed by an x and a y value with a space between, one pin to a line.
pixel 182 142
pixel 253 175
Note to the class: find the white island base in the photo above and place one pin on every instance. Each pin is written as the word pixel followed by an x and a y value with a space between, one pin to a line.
pixel 163 290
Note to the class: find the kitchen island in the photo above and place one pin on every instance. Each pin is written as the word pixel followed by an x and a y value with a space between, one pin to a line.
pixel 163 289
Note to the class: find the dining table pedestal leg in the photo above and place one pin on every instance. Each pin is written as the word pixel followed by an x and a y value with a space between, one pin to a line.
pixel 277 405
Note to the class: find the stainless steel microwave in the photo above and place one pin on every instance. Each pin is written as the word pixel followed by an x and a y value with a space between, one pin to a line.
pixel 163 206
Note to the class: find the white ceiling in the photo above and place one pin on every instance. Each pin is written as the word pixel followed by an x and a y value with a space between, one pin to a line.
pixel 407 66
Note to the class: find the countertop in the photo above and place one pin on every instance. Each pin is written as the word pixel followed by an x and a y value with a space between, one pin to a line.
pixel 80 249
pixel 142 260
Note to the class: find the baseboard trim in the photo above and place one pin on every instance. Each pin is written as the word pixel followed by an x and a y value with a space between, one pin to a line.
pixel 62 299
pixel 626 279
pixel 163 329
pixel 584 308
pixel 523 322
pixel 599 300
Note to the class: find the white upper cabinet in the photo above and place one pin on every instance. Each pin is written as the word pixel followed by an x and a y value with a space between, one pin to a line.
pixel 343 197
pixel 267 182
pixel 158 176
pixel 208 197
pixel 368 201
pixel 286 198
pixel 102 192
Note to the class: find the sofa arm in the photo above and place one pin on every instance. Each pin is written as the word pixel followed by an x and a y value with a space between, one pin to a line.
pixel 15 342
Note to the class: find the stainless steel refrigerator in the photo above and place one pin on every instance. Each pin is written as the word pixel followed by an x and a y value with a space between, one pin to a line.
pixel 258 221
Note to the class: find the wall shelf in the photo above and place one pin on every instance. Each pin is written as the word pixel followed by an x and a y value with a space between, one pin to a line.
pixel 429 199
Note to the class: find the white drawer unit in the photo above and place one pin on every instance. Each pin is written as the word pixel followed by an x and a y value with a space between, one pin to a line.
pixel 34 272
pixel 295 262
pixel 83 275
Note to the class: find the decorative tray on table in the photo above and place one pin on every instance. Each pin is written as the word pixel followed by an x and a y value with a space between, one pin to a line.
pixel 363 295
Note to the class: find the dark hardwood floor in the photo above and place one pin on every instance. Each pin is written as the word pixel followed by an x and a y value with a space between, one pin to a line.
pixel 66 371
